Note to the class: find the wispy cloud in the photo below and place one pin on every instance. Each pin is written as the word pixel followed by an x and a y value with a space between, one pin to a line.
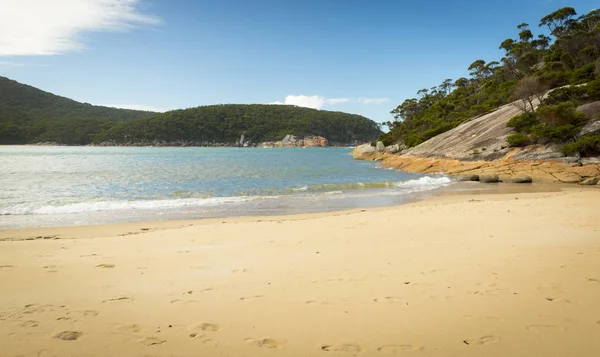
pixel 373 100
pixel 20 64
pixel 137 107
pixel 318 102
pixel 44 27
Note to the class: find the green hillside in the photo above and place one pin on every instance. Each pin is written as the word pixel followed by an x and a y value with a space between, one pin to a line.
pixel 258 123
pixel 30 115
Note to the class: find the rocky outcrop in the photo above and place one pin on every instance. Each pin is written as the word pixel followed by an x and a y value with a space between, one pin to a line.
pixel 477 150
pixel 315 142
pixel 481 138
pixel 591 110
pixel 490 178
pixel 290 141
pixel 393 149
pixel 506 169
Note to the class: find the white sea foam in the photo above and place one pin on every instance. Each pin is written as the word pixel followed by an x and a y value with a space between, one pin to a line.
pixel 121 205
pixel 424 183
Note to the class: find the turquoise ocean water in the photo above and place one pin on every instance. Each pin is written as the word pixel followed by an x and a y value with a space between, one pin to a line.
pixel 50 186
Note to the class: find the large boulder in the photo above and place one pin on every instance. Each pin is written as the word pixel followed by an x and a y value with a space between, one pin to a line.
pixel 362 150
pixel 591 128
pixel 469 178
pixel 393 149
pixel 590 181
pixel 591 110
pixel 489 178
pixel 380 146
pixel 519 179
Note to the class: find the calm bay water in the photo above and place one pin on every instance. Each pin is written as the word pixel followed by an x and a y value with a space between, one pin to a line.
pixel 47 186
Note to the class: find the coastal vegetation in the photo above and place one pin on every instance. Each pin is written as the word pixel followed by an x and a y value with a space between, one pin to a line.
pixel 29 115
pixel 566 57
pixel 258 123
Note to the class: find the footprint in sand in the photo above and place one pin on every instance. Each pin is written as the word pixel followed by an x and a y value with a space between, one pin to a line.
pixel 30 323
pixel 205 326
pixel 132 328
pixel 266 343
pixel 68 335
pixel 51 268
pixel 105 266
pixel 389 299
pixel 183 301
pixel 118 299
pixel 149 341
pixel 36 308
pixel 244 298
pixel 593 280
pixel 344 347
pixel 66 319
pixel 203 338
pixel 393 349
pixel 557 300
pixel 545 328
pixel 484 340
pixel 7 267
pixel 83 313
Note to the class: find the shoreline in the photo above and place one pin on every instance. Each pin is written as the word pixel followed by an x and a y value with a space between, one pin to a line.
pixel 139 227
pixel 466 274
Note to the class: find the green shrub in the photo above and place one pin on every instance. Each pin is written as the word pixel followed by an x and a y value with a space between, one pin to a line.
pixel 583 74
pixel 544 133
pixel 586 146
pixel 566 94
pixel 387 139
pixel 560 114
pixel 523 122
pixel 593 90
pixel 518 140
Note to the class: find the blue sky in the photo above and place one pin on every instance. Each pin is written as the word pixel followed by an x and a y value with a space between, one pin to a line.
pixel 357 56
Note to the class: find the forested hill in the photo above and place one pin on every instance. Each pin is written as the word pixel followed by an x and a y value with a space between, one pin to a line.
pixel 22 103
pixel 30 115
pixel 565 54
pixel 258 122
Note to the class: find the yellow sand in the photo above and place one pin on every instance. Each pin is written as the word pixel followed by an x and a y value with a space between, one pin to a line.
pixel 463 275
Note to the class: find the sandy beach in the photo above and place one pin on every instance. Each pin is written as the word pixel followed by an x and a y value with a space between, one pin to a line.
pixel 514 274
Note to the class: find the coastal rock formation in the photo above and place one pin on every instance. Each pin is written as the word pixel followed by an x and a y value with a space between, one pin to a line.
pixel 290 141
pixel 363 150
pixel 505 168
pixel 478 148
pixel 482 138
pixel 489 178
pixel 315 142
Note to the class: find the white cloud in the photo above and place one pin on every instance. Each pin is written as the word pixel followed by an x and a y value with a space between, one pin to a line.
pixel 373 100
pixel 49 27
pixel 137 107
pixel 19 64
pixel 318 102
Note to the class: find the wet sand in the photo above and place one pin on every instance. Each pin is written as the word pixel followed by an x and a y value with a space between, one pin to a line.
pixel 474 274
